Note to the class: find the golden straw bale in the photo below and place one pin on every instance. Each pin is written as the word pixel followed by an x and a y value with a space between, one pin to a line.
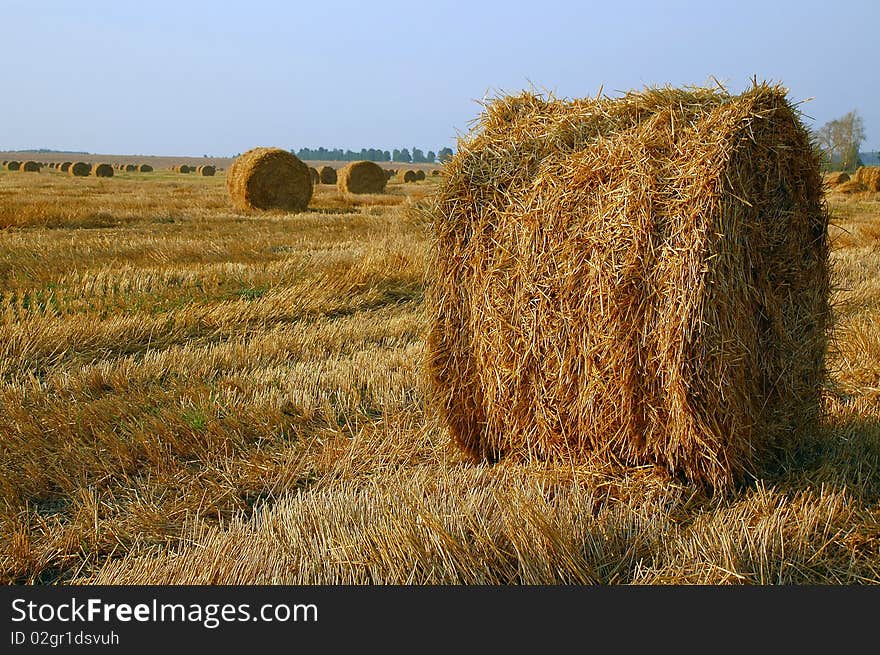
pixel 65 166
pixel 30 167
pixel 435 172
pixel 850 187
pixel 361 177
pixel 835 178
pixel 102 170
pixel 13 165
pixel 206 170
pixel 420 174
pixel 80 169
pixel 327 174
pixel 269 178
pixel 145 168
pixel 869 176
pixel 643 280
pixel 407 175
pixel 316 176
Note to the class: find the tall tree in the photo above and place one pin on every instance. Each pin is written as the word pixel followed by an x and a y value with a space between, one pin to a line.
pixel 841 138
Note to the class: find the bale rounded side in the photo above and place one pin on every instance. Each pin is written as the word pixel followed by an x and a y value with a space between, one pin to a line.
pixel 102 170
pixel 327 175
pixel 29 167
pixel 316 177
pixel 269 178
pixel 145 168
pixel 80 169
pixel 361 177
pixel 13 165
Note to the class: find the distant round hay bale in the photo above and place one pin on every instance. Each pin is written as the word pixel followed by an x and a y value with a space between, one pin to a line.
pixel 13 165
pixel 145 168
pixel 269 178
pixel 850 187
pixel 182 168
pixel 30 167
pixel 389 173
pixel 206 170
pixel 327 175
pixel 102 170
pixel 65 166
pixel 869 176
pixel 420 174
pixel 435 172
pixel 361 177
pixel 80 169
pixel 316 177
pixel 131 168
pixel 408 175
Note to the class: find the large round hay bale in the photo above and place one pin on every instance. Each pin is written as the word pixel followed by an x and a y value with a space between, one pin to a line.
pixel 13 165
pixel 145 168
pixel 206 170
pixel 269 178
pixel 361 177
pixel 182 168
pixel 30 167
pixel 642 279
pixel 65 166
pixel 80 169
pixel 102 170
pixel 316 177
pixel 420 174
pixel 327 175
pixel 407 175
pixel 131 168
pixel 868 176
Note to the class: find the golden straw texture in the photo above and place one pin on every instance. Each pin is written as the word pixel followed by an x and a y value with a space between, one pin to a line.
pixel 643 279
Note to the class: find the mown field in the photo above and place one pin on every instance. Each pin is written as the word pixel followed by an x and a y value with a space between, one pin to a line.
pixel 191 395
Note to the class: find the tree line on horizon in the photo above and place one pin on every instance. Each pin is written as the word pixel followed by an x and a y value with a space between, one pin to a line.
pixel 403 155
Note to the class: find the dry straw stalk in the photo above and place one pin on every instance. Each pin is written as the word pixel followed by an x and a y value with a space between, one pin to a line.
pixel 643 279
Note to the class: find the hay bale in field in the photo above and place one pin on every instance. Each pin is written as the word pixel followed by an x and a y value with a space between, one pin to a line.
pixel 13 165
pixel 408 175
pixel 835 178
pixel 361 177
pixel 206 170
pixel 435 172
pixel 850 187
pixel 65 166
pixel 316 176
pixel 80 169
pixel 145 168
pixel 389 173
pixel 642 279
pixel 131 168
pixel 868 176
pixel 327 175
pixel 420 174
pixel 269 178
pixel 29 167
pixel 182 168
pixel 102 170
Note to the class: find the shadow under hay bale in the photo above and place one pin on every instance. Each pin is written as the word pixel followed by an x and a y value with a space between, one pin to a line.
pixel 642 279
pixel 361 177
pixel 269 178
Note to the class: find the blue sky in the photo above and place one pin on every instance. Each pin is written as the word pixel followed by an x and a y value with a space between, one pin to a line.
pixel 190 77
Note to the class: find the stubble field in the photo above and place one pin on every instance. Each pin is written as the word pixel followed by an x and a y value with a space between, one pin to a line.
pixel 192 395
